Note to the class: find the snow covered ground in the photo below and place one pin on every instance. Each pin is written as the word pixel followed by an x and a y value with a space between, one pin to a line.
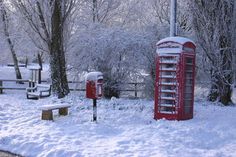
pixel 124 128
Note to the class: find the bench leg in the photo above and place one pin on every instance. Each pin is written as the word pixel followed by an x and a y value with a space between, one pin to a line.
pixel 63 111
pixel 47 115
pixel 32 97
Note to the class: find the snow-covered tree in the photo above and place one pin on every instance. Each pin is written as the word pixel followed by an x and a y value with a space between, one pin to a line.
pixel 234 40
pixel 48 21
pixel 6 24
pixel 212 23
pixel 99 11
pixel 116 52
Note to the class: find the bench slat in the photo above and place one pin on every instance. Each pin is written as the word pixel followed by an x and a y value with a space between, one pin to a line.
pixel 34 93
pixel 43 86
pixel 54 107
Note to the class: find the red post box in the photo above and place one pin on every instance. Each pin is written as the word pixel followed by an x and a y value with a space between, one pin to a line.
pixel 94 81
pixel 175 76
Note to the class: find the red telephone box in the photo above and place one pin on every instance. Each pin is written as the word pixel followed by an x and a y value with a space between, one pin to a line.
pixel 94 81
pixel 175 76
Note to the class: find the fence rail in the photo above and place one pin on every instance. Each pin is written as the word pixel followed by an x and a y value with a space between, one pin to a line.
pixel 129 87
pixel 79 86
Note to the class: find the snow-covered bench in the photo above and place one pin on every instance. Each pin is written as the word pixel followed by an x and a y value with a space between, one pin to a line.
pixel 47 113
pixel 39 91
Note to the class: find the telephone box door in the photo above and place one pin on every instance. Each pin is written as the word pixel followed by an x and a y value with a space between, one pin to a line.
pixel 188 85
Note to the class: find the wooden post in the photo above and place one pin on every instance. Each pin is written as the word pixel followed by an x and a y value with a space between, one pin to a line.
pixel 26 61
pixel 94 110
pixel 0 86
pixel 135 90
pixel 39 76
pixel 31 84
pixel 41 67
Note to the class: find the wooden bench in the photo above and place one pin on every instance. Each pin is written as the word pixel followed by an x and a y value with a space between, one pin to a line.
pixel 38 91
pixel 47 113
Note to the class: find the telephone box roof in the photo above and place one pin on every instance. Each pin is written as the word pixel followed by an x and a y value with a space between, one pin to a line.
pixel 175 45
pixel 180 40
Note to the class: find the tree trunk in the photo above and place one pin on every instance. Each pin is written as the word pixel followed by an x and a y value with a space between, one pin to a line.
pixel 10 44
pixel 234 41
pixel 41 67
pixel 222 78
pixel 95 14
pixel 15 61
pixel 214 91
pixel 227 76
pixel 57 55
pixel 221 87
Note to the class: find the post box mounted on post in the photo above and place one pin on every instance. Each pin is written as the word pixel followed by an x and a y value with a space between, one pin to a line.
pixel 94 82
pixel 175 76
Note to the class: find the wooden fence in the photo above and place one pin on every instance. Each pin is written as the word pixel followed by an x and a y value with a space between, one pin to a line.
pixel 17 81
pixel 131 89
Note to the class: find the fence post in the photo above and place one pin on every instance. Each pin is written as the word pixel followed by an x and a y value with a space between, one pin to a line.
pixel 26 61
pixel 1 86
pixel 39 76
pixel 135 90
